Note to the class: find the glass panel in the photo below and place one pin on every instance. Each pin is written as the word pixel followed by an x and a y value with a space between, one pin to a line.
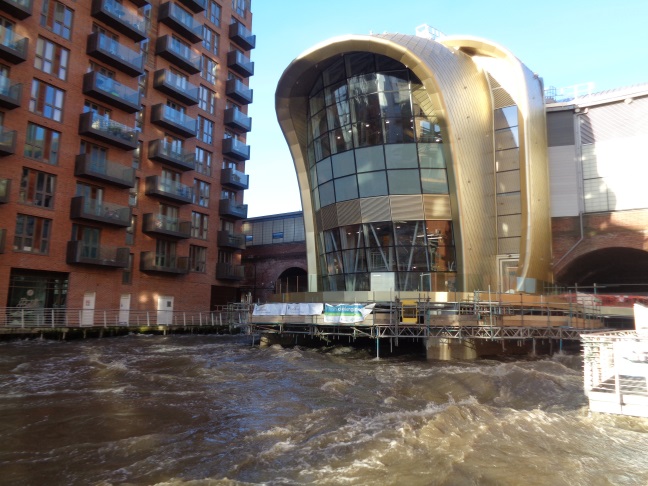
pixel 334 73
pixel 372 184
pixel 396 104
pixel 427 130
pixel 368 133
pixel 506 117
pixel 364 84
pixel 346 188
pixel 434 181
pixel 327 196
pixel 318 125
pixel 337 93
pixel 339 114
pixel 398 130
pixel 506 139
pixel 365 107
pixel 341 139
pixel 431 155
pixel 394 81
pixel 321 147
pixel 400 156
pixel 370 158
pixel 359 63
pixel 343 164
pixel 404 181
pixel 331 241
pixel 324 172
pixel 317 103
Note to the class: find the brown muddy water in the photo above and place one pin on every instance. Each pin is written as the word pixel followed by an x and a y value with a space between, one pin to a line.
pixel 213 410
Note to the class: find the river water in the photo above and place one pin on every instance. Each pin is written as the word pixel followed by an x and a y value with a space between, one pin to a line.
pixel 212 410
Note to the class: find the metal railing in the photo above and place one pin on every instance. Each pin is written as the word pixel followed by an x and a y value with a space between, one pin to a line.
pixel 38 317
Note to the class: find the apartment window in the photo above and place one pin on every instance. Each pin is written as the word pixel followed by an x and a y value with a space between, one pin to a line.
pixel 241 7
pixel 98 109
pixel 229 195
pixel 201 193
pixel 139 119
pixel 165 253
pixel 101 70
pixel 143 48
pixel 132 194
pixel 130 231
pixel 199 224
pixel 46 100
pixel 37 188
pixel 32 234
pixel 211 40
pixel 90 237
pixel 209 70
pixel 225 256
pixel 137 156
pixel 42 144
pixel 205 130
pixel 142 82
pixel 203 161
pixel 51 58
pixel 127 273
pixel 57 17
pixel 213 13
pixel 207 99
pixel 197 258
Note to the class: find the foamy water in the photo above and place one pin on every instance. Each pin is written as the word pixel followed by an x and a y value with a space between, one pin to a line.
pixel 205 410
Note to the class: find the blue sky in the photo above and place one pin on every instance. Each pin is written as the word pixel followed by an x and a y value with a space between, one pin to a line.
pixel 566 42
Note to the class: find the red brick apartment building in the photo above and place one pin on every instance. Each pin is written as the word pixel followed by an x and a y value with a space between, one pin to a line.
pixel 122 152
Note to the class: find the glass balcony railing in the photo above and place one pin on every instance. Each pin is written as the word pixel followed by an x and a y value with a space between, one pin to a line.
pixel 102 128
pixel 80 252
pixel 196 6
pixel 229 271
pixel 232 209
pixel 92 167
pixel 166 225
pixel 181 21
pixel 121 17
pixel 234 179
pixel 21 9
pixel 176 86
pixel 242 36
pixel 10 94
pixel 172 190
pixel 153 262
pixel 238 91
pixel 13 47
pixel 235 118
pixel 240 63
pixel 236 149
pixel 173 120
pixel 110 91
pixel 111 52
pixel 7 141
pixel 100 211
pixel 168 153
pixel 231 240
pixel 178 53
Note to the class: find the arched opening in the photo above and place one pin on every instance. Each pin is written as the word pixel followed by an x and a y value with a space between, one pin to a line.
pixel 292 280
pixel 612 270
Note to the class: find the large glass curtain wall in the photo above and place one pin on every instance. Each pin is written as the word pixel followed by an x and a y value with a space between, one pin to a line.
pixel 368 137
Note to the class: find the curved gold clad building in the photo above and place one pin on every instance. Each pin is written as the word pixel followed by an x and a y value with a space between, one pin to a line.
pixel 422 165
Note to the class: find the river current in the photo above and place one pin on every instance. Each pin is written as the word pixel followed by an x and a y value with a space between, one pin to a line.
pixel 214 410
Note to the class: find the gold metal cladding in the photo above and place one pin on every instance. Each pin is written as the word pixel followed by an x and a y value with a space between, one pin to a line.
pixel 457 87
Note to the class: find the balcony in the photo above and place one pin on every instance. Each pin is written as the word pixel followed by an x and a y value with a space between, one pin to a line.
pixel 229 271
pixel 242 36
pixel 173 85
pixel 181 21
pixel 5 189
pixel 79 252
pixel 116 55
pixel 120 17
pixel 238 91
pixel 234 179
pixel 13 48
pixel 158 224
pixel 173 120
pixel 10 94
pixel 104 129
pixel 179 54
pixel 7 141
pixel 110 91
pixel 235 149
pixel 231 240
pixel 240 63
pixel 97 211
pixel 232 209
pixel 21 9
pixel 140 3
pixel 150 262
pixel 104 171
pixel 236 119
pixel 171 190
pixel 196 6
pixel 163 151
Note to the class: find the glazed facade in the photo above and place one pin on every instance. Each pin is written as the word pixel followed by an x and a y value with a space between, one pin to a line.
pixel 414 161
